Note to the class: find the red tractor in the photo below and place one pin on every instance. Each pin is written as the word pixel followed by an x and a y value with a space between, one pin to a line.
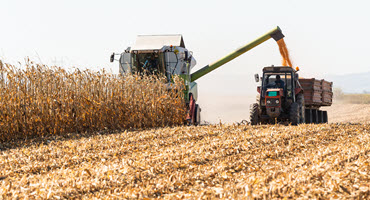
pixel 284 97
pixel 280 97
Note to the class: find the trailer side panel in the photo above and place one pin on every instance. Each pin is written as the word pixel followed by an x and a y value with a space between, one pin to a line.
pixel 316 92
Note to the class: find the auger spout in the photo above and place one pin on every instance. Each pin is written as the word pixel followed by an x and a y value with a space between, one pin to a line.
pixel 275 33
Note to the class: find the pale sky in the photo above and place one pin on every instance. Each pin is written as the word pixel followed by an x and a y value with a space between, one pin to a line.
pixel 324 37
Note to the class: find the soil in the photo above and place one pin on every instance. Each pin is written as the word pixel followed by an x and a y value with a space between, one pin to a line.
pixel 341 112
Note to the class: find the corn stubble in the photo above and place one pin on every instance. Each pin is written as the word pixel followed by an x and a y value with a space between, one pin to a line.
pixel 39 100
pixel 216 161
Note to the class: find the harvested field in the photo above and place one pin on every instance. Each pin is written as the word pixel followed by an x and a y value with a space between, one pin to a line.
pixel 217 161
pixel 354 98
pixel 341 112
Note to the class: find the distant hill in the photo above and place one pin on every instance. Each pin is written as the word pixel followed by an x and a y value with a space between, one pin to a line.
pixel 351 83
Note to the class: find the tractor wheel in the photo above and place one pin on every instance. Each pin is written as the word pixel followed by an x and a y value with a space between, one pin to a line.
pixel 294 114
pixel 300 101
pixel 258 98
pixel 254 114
pixel 197 115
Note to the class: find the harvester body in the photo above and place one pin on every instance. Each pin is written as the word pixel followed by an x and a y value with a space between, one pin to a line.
pixel 160 55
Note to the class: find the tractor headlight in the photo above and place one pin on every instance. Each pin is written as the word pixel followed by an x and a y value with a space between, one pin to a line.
pixel 277 101
pixel 268 102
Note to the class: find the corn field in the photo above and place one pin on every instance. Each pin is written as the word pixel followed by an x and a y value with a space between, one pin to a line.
pixel 39 100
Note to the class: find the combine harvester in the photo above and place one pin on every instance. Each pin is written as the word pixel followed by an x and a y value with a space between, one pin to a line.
pixel 167 55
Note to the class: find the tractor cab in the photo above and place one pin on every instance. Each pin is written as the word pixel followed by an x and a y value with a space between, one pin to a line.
pixel 278 81
pixel 278 91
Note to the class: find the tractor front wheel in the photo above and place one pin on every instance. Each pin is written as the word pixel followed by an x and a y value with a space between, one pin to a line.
pixel 254 114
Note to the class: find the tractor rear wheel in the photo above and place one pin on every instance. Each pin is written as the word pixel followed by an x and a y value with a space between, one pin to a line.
pixel 300 101
pixel 294 114
pixel 254 114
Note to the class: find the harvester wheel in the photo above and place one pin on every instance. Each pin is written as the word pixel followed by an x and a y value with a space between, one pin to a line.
pixel 197 115
pixel 254 114
pixel 190 118
pixel 300 101
pixel 294 113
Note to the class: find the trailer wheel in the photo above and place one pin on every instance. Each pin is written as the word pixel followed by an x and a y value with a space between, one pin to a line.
pixel 325 116
pixel 254 114
pixel 315 118
pixel 320 117
pixel 308 118
pixel 294 113
pixel 300 101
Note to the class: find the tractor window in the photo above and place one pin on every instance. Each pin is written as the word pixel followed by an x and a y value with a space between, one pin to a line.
pixel 289 81
pixel 278 80
pixel 149 63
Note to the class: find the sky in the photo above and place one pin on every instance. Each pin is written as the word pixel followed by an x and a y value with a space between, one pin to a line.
pixel 328 37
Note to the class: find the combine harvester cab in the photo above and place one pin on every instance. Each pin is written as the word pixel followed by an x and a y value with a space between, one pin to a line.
pixel 167 55
pixel 283 96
